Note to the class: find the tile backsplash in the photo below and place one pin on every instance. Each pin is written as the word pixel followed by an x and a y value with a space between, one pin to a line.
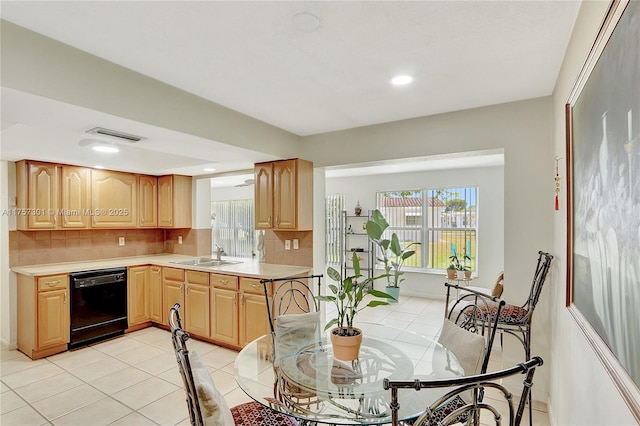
pixel 37 247
pixel 274 243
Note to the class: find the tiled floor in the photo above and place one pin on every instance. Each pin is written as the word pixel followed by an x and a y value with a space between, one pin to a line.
pixel 134 380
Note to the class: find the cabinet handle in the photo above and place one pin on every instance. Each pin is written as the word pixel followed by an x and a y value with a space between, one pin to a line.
pixel 93 219
pixel 141 219
pixel 234 300
pixel 54 282
pixel 64 219
pixel 242 300
pixel 223 281
pixel 254 285
pixel 277 221
pixel 55 220
pixel 65 297
pixel 269 220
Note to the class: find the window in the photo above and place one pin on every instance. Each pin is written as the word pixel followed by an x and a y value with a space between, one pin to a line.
pixel 440 219
pixel 334 207
pixel 232 227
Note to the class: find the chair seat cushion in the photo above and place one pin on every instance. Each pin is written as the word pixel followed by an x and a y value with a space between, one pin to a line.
pixel 255 414
pixel 510 314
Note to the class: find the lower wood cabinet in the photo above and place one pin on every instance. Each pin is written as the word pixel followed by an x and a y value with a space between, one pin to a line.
pixel 172 291
pixel 156 313
pixel 138 286
pixel 254 319
pixel 43 314
pixel 197 318
pixel 224 312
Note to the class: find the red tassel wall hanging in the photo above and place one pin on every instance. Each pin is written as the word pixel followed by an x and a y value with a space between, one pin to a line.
pixel 557 185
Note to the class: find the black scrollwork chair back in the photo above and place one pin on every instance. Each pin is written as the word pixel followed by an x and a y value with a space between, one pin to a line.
pixel 472 410
pixel 207 407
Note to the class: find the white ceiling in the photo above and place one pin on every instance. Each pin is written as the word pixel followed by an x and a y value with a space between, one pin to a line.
pixel 251 57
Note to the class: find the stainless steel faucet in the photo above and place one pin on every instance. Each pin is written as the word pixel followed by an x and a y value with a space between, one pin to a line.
pixel 219 252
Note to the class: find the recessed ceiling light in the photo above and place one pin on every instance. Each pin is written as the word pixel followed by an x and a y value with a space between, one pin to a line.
pixel 209 169
pixel 401 80
pixel 306 22
pixel 99 167
pixel 106 148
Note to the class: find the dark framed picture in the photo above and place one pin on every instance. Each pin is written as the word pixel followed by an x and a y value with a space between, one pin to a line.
pixel 603 187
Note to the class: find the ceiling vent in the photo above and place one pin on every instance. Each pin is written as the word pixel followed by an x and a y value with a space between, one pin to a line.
pixel 115 134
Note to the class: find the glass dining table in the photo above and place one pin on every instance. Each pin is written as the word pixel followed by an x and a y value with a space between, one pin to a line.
pixel 300 376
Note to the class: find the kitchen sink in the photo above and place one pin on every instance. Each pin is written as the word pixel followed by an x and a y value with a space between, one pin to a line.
pixel 205 261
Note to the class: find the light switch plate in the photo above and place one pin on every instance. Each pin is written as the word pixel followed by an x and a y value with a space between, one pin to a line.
pixel 179 239
pixel 287 244
pixel 296 244
pixel 121 241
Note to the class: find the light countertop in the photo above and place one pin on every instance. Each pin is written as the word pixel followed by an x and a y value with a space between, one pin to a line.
pixel 248 267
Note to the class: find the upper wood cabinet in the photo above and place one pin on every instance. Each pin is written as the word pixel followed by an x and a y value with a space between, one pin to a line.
pixel 37 195
pixel 284 195
pixel 147 201
pixel 174 201
pixel 75 197
pixel 114 199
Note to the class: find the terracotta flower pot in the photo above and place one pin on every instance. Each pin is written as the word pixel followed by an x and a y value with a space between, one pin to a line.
pixel 467 275
pixel 452 274
pixel 346 348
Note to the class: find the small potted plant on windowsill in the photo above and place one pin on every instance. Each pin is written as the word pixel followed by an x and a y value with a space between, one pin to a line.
pixel 392 253
pixel 348 297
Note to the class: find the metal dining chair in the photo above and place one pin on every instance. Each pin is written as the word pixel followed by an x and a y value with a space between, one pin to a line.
pixel 207 407
pixel 472 410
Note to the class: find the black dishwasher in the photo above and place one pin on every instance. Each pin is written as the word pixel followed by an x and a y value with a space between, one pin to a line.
pixel 98 305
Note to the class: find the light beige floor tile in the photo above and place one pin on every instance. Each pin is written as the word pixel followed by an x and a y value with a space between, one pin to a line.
pixel 236 397
pixel 22 416
pixel 167 410
pixel 118 345
pixel 99 413
pixel 164 344
pixel 139 354
pixel 31 375
pixel 200 346
pixel 18 363
pixel 11 401
pixel 219 357
pixel 7 354
pixel 77 358
pixel 48 387
pixel 98 369
pixel 224 382
pixel 119 380
pixel 144 393
pixel 3 387
pixel 151 335
pixel 158 364
pixel 172 375
pixel 134 419
pixel 393 322
pixel 67 401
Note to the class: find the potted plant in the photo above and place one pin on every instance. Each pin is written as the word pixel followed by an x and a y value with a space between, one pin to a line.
pixel 348 297
pixel 454 266
pixel 392 253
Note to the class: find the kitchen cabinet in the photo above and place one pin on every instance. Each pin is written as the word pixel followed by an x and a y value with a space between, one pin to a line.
pixel 43 314
pixel 138 284
pixel 147 201
pixel 172 291
pixel 174 201
pixel 37 195
pixel 254 320
pixel 75 197
pixel 114 199
pixel 155 294
pixel 284 195
pixel 197 304
pixel 224 304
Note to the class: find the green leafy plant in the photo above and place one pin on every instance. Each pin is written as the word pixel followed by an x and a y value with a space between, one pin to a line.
pixel 392 253
pixel 348 297
pixel 459 264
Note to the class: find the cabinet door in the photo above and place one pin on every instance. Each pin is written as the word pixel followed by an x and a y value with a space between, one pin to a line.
pixel 147 201
pixel 172 293
pixel 197 303
pixel 263 195
pixel 155 295
pixel 225 316
pixel 42 196
pixel 114 200
pixel 75 197
pixel 284 194
pixel 165 201
pixel 53 318
pixel 254 321
pixel 138 294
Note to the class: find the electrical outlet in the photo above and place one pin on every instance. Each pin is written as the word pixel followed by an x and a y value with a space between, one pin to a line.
pixel 121 241
pixel 287 244
pixel 179 239
pixel 296 244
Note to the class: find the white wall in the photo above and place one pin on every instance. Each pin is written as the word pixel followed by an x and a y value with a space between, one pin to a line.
pixel 232 193
pixel 491 207
pixel 581 392
pixel 7 284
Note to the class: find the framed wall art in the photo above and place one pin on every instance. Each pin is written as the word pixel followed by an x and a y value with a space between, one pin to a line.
pixel 603 215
